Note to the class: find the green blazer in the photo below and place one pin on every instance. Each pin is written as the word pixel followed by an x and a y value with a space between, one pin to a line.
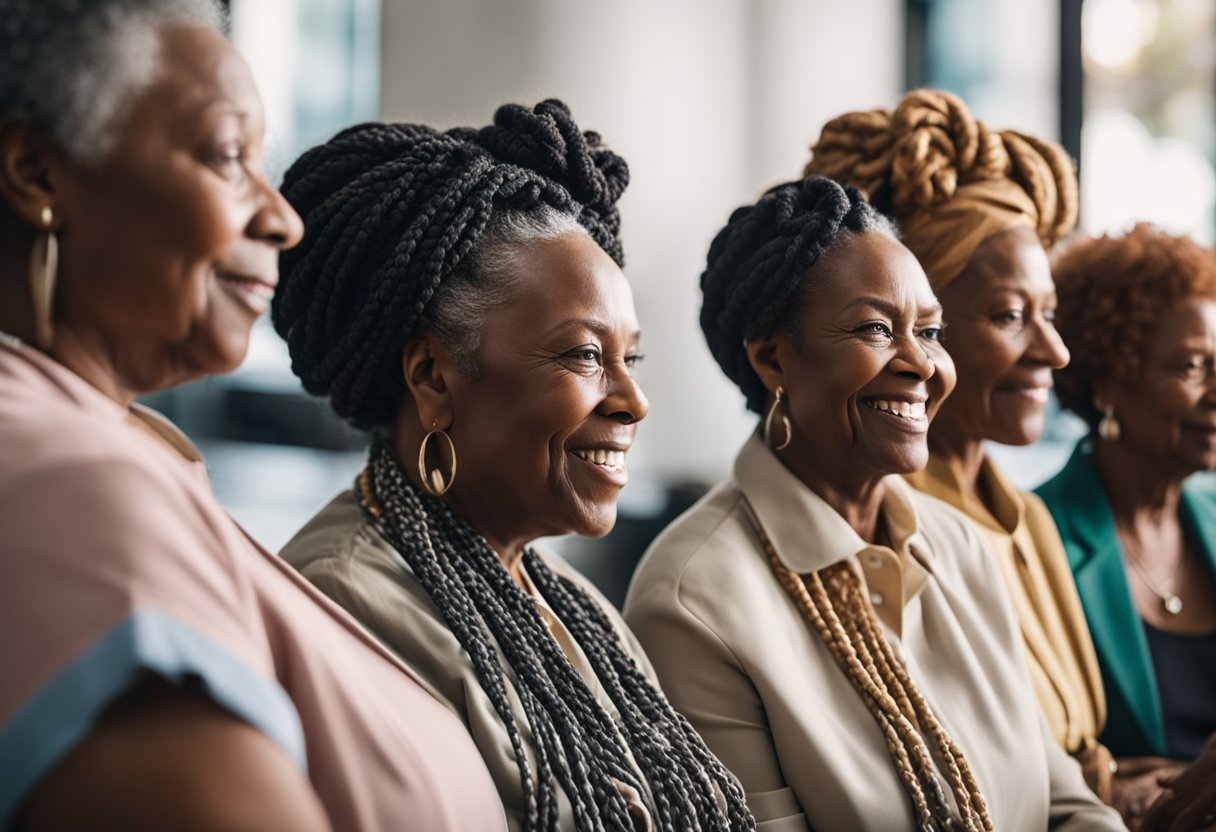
pixel 1077 501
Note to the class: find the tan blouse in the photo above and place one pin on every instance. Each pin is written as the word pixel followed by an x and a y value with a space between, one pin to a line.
pixel 1060 655
pixel 341 553
pixel 738 658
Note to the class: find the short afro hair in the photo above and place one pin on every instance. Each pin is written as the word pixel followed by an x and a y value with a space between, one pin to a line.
pixel 1112 293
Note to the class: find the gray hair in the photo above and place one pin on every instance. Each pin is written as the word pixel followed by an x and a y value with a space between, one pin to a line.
pixel 68 66
pixel 485 278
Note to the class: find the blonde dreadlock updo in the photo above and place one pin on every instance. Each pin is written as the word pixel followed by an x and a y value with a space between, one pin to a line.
pixel 948 180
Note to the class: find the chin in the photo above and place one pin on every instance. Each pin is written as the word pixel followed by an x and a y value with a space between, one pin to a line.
pixel 597 523
pixel 221 352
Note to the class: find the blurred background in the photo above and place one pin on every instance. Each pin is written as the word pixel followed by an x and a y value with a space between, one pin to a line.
pixel 710 101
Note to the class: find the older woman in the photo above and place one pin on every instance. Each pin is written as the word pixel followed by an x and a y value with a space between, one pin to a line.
pixel 1138 313
pixel 977 208
pixel 841 640
pixel 160 670
pixel 460 294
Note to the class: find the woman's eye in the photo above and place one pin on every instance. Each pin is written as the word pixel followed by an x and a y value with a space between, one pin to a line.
pixel 586 354
pixel 1009 316
pixel 874 328
pixel 229 160
pixel 933 333
pixel 1049 315
pixel 632 359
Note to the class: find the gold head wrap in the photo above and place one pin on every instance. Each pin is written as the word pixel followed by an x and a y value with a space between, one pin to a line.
pixel 948 180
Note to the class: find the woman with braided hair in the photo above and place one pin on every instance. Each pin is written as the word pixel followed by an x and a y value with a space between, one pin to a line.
pixel 979 208
pixel 840 639
pixel 460 294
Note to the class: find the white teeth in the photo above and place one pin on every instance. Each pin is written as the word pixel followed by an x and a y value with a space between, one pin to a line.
pixel 907 410
pixel 611 459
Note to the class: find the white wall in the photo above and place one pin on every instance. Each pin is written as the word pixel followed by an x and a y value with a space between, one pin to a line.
pixel 710 101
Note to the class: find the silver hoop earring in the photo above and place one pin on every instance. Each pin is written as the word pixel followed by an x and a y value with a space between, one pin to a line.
pixel 433 478
pixel 1108 425
pixel 44 272
pixel 785 423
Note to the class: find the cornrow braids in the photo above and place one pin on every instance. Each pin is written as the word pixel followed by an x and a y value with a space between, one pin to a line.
pixel 760 267
pixel 833 602
pixel 579 747
pixel 392 212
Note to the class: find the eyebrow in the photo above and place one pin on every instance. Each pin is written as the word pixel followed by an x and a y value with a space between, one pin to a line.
pixel 597 326
pixel 889 309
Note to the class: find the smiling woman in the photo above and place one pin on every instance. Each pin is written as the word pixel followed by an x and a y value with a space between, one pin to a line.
pixel 978 207
pixel 1139 314
pixel 161 670
pixel 461 295
pixel 863 671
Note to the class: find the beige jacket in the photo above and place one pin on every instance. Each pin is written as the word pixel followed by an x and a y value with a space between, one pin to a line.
pixel 737 657
pixel 348 560
pixel 1063 666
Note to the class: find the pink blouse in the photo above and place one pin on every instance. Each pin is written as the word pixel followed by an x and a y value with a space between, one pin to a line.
pixel 116 560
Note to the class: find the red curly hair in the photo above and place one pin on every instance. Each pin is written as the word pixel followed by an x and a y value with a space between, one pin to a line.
pixel 1112 293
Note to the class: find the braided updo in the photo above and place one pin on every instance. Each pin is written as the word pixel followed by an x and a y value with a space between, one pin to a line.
pixel 761 266
pixel 947 179
pixel 395 213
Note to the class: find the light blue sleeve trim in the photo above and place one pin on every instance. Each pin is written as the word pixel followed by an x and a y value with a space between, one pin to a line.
pixel 57 717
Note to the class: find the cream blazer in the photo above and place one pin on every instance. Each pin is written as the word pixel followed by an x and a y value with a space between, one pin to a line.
pixel 737 657
pixel 347 559
pixel 1030 555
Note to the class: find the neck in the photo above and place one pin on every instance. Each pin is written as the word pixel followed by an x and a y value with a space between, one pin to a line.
pixel 1140 493
pixel 86 359
pixel 407 438
pixel 963 452
pixel 858 502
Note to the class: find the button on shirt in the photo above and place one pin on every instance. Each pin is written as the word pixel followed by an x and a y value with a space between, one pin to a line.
pixel 737 657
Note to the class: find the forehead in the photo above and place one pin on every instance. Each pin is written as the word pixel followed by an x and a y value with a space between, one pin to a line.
pixel 1187 323
pixel 875 266
pixel 570 278
pixel 1013 260
pixel 199 71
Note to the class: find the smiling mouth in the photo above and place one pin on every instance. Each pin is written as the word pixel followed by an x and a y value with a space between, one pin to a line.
pixel 603 458
pixel 255 294
pixel 904 410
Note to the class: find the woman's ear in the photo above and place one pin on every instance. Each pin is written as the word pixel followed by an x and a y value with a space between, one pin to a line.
pixel 764 354
pixel 29 169
pixel 427 368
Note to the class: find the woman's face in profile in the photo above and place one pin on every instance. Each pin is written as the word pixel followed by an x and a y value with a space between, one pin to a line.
pixel 1002 340
pixel 1169 413
pixel 865 367
pixel 543 431
pixel 170 243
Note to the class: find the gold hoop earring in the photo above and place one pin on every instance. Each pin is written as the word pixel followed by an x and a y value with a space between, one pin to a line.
pixel 433 479
pixel 785 423
pixel 44 272
pixel 1108 425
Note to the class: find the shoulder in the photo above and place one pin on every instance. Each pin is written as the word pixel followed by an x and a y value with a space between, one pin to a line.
pixel 342 554
pixel 700 548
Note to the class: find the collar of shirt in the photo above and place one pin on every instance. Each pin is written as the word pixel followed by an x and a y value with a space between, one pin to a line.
pixel 809 535
pixel 943 478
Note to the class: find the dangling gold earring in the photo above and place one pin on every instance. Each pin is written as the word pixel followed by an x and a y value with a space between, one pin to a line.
pixel 433 479
pixel 1108 426
pixel 44 271
pixel 785 423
